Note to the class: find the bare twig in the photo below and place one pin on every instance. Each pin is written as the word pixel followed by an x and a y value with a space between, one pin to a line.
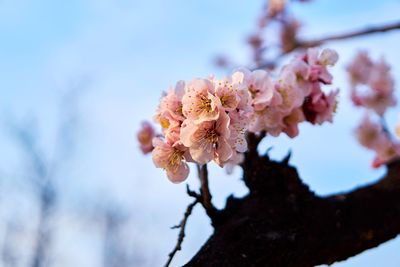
pixel 350 34
pixel 181 234
pixel 192 193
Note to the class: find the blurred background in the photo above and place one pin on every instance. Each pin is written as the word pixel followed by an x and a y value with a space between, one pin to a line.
pixel 78 77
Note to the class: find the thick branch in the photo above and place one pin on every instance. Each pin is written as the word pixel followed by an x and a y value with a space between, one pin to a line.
pixel 282 223
pixel 367 216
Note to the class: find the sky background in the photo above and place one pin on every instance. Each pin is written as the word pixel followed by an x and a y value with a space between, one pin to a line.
pixel 123 54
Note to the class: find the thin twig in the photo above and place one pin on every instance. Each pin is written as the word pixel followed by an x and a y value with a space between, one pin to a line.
pixel 192 193
pixel 350 34
pixel 181 235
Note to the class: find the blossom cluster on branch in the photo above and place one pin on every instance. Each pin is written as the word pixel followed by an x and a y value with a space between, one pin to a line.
pixel 372 88
pixel 207 119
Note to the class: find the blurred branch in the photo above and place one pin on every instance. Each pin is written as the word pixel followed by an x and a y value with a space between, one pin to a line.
pixel 349 35
pixel 181 235
pixel 44 171
pixel 335 37
pixel 115 252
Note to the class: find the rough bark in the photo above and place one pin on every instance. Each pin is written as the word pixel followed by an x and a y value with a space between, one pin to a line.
pixel 282 223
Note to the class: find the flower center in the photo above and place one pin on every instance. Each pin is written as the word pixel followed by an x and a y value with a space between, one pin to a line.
pixel 212 136
pixel 175 159
pixel 164 123
pixel 179 110
pixel 205 103
pixel 253 91
pixel 225 100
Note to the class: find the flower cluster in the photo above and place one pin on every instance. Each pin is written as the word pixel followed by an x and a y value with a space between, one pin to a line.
pixel 207 119
pixel 295 96
pixel 372 135
pixel 377 82
pixel 376 98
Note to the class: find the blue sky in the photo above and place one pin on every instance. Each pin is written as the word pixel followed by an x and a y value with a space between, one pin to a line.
pixel 128 52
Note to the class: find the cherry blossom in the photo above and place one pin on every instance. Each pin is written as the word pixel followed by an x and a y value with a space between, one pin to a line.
pixel 386 153
pixel 378 85
pixel 171 158
pixel 199 102
pixel 208 140
pixel 372 135
pixel 145 137
pixel 320 107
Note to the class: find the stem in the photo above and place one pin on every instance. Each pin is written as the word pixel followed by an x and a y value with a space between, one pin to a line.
pixel 204 189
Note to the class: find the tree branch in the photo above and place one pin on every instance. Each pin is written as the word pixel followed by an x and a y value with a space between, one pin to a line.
pixel 205 193
pixel 335 37
pixel 181 235
pixel 349 35
pixel 282 223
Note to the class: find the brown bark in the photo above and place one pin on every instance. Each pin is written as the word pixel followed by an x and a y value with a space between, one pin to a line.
pixel 282 223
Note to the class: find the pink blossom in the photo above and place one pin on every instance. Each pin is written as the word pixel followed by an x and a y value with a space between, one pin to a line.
pixel 376 101
pixel 299 70
pixel 360 68
pixel 291 95
pixel 208 140
pixel 227 93
pixel 172 159
pixel 318 64
pixel 237 138
pixel 370 134
pixel 260 87
pixel 172 134
pixel 270 119
pixel 292 122
pixel 380 80
pixel 386 153
pixel 244 107
pixel 199 102
pixel 145 137
pixel 169 111
pixel 378 93
pixel 319 107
